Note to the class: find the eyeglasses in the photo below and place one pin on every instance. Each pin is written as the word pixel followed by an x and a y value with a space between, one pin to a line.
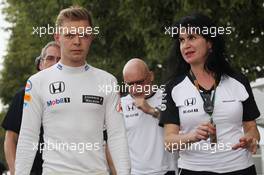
pixel 51 58
pixel 137 82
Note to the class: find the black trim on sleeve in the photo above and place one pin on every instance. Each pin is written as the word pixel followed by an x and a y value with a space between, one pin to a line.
pixel 171 113
pixel 250 109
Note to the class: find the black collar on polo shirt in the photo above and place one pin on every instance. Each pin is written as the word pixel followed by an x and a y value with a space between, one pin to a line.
pixel 202 88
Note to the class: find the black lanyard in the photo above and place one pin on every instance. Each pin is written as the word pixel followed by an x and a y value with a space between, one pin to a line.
pixel 208 99
pixel 208 106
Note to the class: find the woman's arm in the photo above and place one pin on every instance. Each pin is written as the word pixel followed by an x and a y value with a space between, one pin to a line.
pixel 251 138
pixel 175 141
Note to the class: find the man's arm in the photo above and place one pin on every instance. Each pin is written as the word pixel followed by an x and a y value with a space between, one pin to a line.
pixel 117 139
pixel 110 161
pixel 30 128
pixel 11 124
pixel 10 145
pixel 143 105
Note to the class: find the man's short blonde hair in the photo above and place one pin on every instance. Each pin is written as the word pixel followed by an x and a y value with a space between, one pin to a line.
pixel 73 13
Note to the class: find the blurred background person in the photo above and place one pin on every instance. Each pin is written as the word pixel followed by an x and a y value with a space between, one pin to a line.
pixel 141 111
pixel 50 55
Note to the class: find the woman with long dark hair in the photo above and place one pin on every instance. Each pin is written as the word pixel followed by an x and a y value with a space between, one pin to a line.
pixel 210 109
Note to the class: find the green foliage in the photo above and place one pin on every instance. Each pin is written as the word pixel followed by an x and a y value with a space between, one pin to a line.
pixel 130 28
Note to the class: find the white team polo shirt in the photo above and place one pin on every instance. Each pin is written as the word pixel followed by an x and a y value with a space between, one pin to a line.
pixel 234 103
pixel 146 139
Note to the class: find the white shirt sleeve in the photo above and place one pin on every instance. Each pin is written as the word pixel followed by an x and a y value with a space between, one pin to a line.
pixel 117 139
pixel 30 128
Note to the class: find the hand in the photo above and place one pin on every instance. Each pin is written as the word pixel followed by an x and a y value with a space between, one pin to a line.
pixel 202 132
pixel 247 142
pixel 142 104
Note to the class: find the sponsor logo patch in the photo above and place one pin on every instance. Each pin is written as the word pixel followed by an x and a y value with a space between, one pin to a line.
pixel 28 86
pixel 58 101
pixel 86 67
pixel 190 101
pixel 190 111
pixel 130 107
pixel 27 99
pixel 92 99
pixel 228 101
pixel 132 115
pixel 59 66
pixel 119 107
pixel 57 87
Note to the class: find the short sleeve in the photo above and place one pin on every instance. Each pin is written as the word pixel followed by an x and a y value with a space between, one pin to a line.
pixel 250 109
pixel 169 111
pixel 13 117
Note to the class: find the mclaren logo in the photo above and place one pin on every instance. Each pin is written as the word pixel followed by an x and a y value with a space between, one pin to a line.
pixel 57 87
pixel 190 101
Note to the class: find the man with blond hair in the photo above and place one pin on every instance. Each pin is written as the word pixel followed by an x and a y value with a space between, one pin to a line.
pixel 68 101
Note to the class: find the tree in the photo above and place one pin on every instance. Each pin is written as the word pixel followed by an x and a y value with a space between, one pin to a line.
pixel 131 29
